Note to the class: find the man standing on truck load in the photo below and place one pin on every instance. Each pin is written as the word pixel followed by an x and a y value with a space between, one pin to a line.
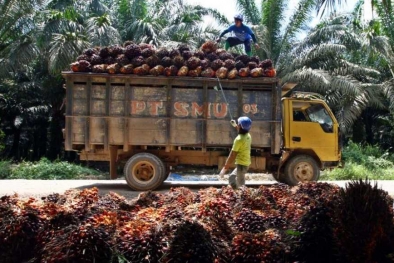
pixel 243 35
pixel 240 153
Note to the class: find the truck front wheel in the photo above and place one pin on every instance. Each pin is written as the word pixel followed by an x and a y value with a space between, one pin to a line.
pixel 301 168
pixel 144 171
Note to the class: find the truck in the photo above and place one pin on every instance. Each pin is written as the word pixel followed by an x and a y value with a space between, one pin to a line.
pixel 154 124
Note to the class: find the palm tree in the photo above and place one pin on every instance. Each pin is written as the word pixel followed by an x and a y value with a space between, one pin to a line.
pixel 17 43
pixel 165 22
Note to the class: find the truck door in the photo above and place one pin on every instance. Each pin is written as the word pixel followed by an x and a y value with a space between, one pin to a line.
pixel 312 127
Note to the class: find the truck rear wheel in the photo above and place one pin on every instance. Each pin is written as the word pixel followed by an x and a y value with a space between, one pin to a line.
pixel 144 171
pixel 301 168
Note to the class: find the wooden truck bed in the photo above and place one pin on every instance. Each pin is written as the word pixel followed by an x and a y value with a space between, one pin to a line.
pixel 126 110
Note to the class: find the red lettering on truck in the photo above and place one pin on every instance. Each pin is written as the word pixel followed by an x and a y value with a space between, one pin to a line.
pixel 137 107
pixel 220 110
pixel 181 109
pixel 197 110
pixel 154 107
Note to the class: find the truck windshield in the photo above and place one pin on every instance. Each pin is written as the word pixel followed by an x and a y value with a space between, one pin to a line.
pixel 317 113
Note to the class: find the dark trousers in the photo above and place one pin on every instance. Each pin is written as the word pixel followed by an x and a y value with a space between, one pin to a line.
pixel 234 41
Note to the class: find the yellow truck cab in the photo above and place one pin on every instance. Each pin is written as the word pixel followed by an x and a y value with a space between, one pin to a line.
pixel 310 138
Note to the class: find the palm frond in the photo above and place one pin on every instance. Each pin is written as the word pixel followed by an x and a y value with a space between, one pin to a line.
pixel 250 11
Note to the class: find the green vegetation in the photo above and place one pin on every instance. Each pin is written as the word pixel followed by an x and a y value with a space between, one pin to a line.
pixel 45 169
pixel 363 162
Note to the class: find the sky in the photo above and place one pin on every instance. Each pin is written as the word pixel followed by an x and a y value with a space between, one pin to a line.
pixel 229 7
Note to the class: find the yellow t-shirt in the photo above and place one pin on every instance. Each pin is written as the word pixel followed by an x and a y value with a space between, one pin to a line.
pixel 242 145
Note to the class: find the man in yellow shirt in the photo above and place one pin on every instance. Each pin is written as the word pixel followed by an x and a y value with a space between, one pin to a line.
pixel 240 153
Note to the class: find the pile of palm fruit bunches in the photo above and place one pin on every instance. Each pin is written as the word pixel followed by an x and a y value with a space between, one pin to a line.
pixel 311 222
pixel 144 59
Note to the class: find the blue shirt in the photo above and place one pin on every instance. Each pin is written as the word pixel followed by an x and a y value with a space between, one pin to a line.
pixel 242 33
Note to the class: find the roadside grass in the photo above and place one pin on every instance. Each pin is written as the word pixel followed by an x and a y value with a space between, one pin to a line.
pixel 363 162
pixel 47 170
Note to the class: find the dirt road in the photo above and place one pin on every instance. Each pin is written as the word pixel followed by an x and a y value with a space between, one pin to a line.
pixel 38 188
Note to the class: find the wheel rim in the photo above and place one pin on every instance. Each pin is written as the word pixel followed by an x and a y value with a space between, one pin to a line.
pixel 303 172
pixel 143 172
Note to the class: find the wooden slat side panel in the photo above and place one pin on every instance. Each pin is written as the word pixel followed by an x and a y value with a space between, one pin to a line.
pixel 186 132
pixel 78 130
pixel 148 131
pixel 116 131
pixel 261 134
pixel 97 130
pixel 220 133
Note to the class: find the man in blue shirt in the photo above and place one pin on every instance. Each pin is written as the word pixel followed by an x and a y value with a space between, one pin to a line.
pixel 243 35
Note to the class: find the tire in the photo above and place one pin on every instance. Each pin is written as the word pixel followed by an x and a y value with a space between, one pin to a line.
pixel 144 171
pixel 301 168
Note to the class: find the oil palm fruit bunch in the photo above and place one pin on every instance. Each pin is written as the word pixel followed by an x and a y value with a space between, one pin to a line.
pixel 84 243
pixel 127 43
pixel 315 228
pixel 178 61
pixel 232 74
pixel 145 46
pixel 217 64
pixel 221 73
pixel 132 51
pixel 248 221
pixel 89 52
pixel 96 60
pixel 83 57
pixel 195 72
pixel 153 61
pixel 80 66
pixel 266 64
pixel 114 68
pixel 157 70
pixel 122 60
pixel 208 73
pixel 115 50
pixel 244 72
pixel 225 55
pixel 127 69
pixel 365 223
pixel 229 64
pixel 163 52
pixel 252 65
pixel 183 71
pixel 262 247
pixel 138 61
pixel 100 68
pixel 166 62
pixel 104 52
pixel 255 59
pixel 199 54
pixel 147 52
pixel 139 241
pixel 187 54
pixel 204 63
pixel 171 71
pixel 209 47
pixel 109 60
pixel 239 64
pixel 244 58
pixel 183 47
pixel 256 72
pixel 140 71
pixel 193 63
pixel 174 53
pixel 191 243
pixel 269 72
pixel 212 56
